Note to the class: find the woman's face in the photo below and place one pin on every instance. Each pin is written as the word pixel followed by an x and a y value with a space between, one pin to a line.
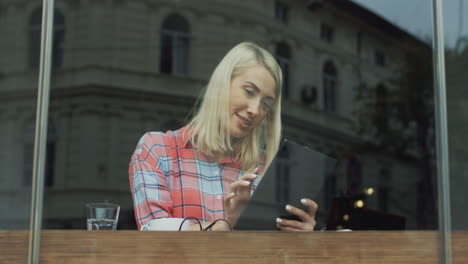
pixel 252 97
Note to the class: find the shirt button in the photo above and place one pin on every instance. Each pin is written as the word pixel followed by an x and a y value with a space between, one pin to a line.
pixel 216 172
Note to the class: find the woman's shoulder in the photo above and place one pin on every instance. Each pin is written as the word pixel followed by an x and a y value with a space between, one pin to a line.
pixel 160 135
pixel 159 139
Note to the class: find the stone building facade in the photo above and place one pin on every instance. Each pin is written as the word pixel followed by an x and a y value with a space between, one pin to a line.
pixel 123 67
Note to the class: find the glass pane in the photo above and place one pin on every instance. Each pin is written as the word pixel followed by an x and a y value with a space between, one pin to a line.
pixel 374 87
pixel 360 90
pixel 19 73
pixel 456 43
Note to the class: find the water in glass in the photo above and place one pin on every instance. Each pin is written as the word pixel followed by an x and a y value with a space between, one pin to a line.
pixel 102 224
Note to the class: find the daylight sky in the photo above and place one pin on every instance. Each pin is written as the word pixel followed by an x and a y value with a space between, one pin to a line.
pixel 415 16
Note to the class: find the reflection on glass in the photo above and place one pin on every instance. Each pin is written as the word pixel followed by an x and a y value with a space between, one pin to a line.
pixel 174 45
pixel 456 39
pixel 18 95
pixel 357 87
pixel 283 56
pixel 295 173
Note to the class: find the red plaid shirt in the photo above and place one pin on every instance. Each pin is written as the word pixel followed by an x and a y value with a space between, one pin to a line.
pixel 171 178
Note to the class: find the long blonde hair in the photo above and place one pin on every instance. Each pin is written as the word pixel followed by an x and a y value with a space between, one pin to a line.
pixel 210 125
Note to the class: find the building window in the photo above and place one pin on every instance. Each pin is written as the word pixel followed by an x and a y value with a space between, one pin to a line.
pixel 283 56
pixel 330 80
pixel 327 32
pixel 28 154
pixel 175 36
pixel 35 24
pixel 380 59
pixel 281 12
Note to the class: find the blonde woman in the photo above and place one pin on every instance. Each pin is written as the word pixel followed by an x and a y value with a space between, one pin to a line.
pixel 206 169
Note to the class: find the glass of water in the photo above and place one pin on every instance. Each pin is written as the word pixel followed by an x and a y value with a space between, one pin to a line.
pixel 102 216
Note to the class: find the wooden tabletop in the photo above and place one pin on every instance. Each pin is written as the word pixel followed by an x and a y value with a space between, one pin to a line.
pixel 77 246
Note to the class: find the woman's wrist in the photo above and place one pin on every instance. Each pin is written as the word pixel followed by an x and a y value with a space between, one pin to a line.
pixel 221 226
pixel 231 219
pixel 194 227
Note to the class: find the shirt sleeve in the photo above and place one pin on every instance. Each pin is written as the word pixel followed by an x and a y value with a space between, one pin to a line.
pixel 148 173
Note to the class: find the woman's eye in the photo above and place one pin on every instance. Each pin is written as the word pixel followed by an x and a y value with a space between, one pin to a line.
pixel 266 106
pixel 248 92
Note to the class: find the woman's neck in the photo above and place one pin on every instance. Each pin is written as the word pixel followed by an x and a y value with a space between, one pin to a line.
pixel 236 144
pixel 236 148
pixel 220 156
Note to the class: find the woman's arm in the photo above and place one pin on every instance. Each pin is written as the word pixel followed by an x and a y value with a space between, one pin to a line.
pixel 234 202
pixel 148 185
pixel 219 226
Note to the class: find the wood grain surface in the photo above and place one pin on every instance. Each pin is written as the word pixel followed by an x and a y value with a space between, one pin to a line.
pixel 76 246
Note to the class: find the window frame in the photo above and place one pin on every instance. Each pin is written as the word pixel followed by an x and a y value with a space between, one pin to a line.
pixel 174 46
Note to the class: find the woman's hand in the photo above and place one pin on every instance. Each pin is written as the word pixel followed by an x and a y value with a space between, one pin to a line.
pixel 308 218
pixel 235 202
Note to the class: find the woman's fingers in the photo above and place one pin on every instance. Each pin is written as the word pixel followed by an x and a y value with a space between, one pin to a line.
pixel 292 229
pixel 251 176
pixel 235 201
pixel 313 206
pixel 244 183
pixel 241 188
pixel 228 197
pixel 307 217
pixel 289 223
pixel 287 229
pixel 239 184
pixel 293 225
pixel 303 215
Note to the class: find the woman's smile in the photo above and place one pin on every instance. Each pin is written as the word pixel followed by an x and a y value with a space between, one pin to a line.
pixel 252 97
pixel 243 121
